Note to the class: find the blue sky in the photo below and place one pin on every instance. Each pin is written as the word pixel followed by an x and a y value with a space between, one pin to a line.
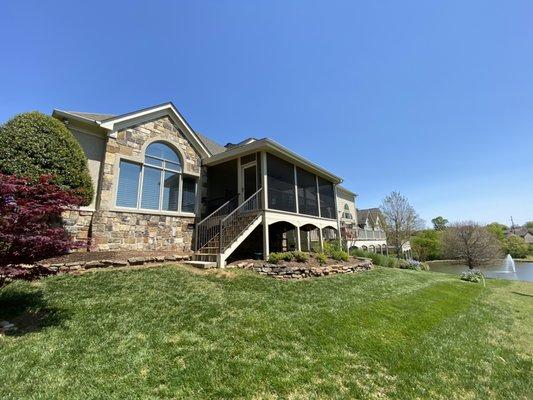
pixel 434 99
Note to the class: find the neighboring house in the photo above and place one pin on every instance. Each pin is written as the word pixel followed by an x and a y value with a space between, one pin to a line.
pixel 162 186
pixel 360 228
pixel 522 231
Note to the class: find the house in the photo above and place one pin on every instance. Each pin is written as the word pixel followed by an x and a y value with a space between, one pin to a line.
pixel 522 231
pixel 360 229
pixel 160 185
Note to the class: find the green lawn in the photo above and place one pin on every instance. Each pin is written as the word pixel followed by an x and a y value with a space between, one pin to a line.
pixel 173 332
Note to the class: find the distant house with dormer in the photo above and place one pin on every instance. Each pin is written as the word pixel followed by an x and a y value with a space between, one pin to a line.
pixel 522 231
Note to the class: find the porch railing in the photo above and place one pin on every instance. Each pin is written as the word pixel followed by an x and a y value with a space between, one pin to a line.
pixel 238 220
pixel 367 234
pixel 209 227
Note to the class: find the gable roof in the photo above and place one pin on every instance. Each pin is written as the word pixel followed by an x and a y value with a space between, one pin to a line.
pixel 113 123
pixel 370 214
pixel 213 147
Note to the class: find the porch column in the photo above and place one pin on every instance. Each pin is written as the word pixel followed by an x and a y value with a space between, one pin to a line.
pixel 298 241
pixel 240 193
pixel 266 243
pixel 264 180
pixel 338 213
pixel 321 239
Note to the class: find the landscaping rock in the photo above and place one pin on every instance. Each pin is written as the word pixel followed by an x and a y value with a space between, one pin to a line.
pixel 304 270
pixel 136 260
pixel 119 263
pixel 94 264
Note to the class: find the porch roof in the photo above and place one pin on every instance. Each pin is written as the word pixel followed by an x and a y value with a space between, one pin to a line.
pixel 275 148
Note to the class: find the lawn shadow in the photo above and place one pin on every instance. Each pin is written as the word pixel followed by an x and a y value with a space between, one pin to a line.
pixel 27 310
pixel 523 294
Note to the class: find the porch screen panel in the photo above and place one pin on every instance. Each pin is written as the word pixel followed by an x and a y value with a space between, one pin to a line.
pixel 281 194
pixel 327 198
pixel 189 195
pixel 307 196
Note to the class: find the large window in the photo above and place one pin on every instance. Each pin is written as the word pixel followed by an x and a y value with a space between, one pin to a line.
pixel 307 197
pixel 346 213
pixel 158 184
pixel 281 194
pixel 327 198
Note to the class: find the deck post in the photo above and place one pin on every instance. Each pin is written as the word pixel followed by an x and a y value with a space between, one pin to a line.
pixel 264 180
pixel 321 239
pixel 266 244
pixel 298 241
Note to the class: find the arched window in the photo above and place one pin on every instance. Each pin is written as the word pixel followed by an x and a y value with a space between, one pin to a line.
pixel 347 214
pixel 157 184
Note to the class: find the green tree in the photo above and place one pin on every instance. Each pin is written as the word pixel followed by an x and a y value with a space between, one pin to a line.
pixel 529 224
pixel 439 223
pixel 427 245
pixel 497 230
pixel 515 246
pixel 34 144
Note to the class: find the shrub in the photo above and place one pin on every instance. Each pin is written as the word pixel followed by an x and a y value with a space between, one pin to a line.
pixel 321 258
pixel 30 220
pixel 414 265
pixel 34 144
pixel 515 246
pixel 330 247
pixel 377 259
pixel 340 255
pixel 300 256
pixel 472 275
pixel 275 258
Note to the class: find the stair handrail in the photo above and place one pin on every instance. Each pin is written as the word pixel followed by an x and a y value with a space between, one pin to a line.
pixel 252 203
pixel 205 233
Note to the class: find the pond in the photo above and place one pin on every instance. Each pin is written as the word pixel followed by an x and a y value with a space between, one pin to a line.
pixel 524 270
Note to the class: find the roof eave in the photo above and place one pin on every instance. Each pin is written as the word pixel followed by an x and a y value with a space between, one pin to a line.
pixel 65 114
pixel 269 144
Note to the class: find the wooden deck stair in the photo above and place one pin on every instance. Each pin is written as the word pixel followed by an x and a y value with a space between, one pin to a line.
pixel 220 233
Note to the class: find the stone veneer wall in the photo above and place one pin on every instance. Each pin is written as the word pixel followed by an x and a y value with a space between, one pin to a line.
pixel 114 229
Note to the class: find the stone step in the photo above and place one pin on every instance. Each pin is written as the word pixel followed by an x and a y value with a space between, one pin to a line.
pixel 201 264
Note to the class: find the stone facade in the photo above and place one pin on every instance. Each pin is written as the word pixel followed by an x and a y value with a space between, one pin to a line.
pixel 134 231
pixel 110 228
pixel 78 224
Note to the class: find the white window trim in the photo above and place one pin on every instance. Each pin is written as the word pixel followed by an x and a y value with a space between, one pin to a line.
pixel 159 210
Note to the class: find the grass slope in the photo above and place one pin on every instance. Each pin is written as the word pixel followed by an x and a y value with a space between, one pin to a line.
pixel 172 332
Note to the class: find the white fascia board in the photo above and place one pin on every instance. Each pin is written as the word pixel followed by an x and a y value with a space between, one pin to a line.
pixel 276 149
pixel 123 121
pixel 65 114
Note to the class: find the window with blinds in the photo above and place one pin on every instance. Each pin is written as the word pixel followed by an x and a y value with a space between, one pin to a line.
pixel 159 180
pixel 128 184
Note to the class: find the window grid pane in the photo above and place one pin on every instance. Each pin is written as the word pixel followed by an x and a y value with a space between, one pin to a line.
pixel 128 184
pixel 151 188
pixel 162 151
pixel 171 191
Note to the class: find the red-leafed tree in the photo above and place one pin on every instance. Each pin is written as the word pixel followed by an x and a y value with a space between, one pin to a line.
pixel 30 220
